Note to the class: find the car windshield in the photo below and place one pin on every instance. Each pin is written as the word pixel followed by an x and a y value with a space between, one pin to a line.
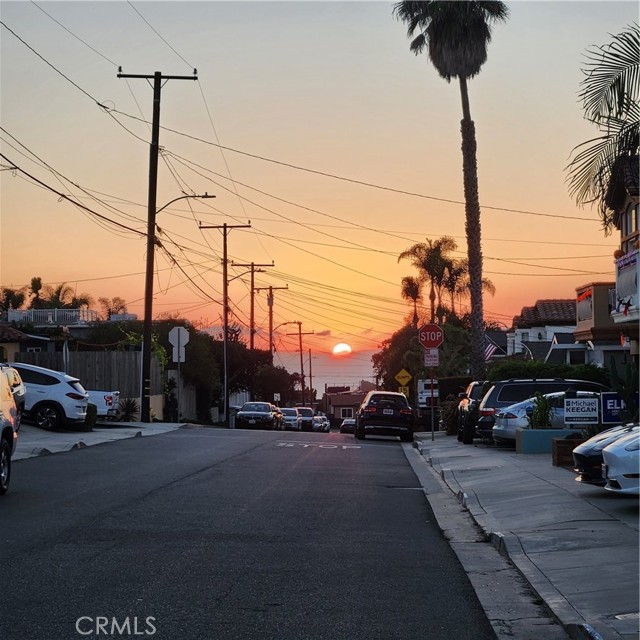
pixel 262 407
pixel 289 412
pixel 308 413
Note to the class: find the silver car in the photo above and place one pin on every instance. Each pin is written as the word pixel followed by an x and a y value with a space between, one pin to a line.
pixel 292 418
pixel 516 416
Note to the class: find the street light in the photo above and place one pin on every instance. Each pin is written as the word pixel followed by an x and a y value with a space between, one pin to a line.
pixel 145 400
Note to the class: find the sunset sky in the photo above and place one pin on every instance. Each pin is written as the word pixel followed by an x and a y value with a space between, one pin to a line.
pixel 314 121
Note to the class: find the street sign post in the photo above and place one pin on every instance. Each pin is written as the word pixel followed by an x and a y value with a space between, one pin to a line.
pixel 178 337
pixel 431 336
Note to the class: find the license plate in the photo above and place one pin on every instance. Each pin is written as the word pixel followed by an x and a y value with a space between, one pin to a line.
pixel 252 421
pixel 387 412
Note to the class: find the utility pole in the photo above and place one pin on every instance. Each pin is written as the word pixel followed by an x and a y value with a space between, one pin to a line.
pixel 310 380
pixel 225 306
pixel 157 77
pixel 270 305
pixel 252 266
pixel 300 334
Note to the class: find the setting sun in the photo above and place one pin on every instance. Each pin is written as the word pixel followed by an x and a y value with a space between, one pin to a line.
pixel 341 349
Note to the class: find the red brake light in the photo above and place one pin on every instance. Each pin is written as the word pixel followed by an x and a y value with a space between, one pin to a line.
pixel 508 416
pixel 487 412
pixel 370 409
pixel 406 412
pixel 75 396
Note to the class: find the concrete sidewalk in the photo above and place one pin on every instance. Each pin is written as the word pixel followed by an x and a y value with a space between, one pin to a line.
pixel 576 545
pixel 33 441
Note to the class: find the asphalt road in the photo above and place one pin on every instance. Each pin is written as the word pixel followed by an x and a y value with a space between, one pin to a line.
pixel 212 535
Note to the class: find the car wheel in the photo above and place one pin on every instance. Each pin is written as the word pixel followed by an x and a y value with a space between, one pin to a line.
pixel 5 466
pixel 47 416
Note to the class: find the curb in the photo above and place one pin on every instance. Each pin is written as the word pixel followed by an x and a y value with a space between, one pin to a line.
pixel 508 545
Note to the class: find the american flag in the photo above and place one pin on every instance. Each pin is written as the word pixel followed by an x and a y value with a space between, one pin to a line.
pixel 489 350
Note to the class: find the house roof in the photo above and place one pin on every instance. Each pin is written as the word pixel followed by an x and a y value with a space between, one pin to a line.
pixel 346 399
pixel 539 350
pixel 9 334
pixel 547 312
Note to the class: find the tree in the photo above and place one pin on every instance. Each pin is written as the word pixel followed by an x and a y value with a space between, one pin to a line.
pixel 456 35
pixel 12 298
pixel 432 260
pixel 610 93
pixel 411 290
pixel 34 290
pixel 110 306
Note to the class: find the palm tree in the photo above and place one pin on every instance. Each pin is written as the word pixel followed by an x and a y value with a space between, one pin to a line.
pixel 34 290
pixel 412 290
pixel 610 93
pixel 432 260
pixel 456 35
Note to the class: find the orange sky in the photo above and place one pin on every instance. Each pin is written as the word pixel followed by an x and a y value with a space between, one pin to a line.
pixel 330 87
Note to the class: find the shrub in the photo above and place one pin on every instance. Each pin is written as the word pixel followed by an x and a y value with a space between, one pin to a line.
pixel 129 410
pixel 449 414
pixel 540 418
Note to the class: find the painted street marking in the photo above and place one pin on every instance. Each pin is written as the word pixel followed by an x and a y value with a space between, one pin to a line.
pixel 306 445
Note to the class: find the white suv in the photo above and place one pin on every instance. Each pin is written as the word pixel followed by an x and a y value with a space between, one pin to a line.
pixel 53 398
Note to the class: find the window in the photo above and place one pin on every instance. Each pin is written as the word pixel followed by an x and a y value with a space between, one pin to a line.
pixel 576 357
pixel 346 412
pixel 35 377
pixel 629 228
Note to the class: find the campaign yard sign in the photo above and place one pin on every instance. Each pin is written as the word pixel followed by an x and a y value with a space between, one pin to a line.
pixel 581 410
pixel 612 403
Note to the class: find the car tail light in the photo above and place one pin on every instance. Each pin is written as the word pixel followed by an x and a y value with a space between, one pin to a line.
pixel 508 416
pixel 75 396
pixel 370 409
pixel 406 412
pixel 487 412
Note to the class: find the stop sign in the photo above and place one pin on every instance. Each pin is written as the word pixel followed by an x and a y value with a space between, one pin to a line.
pixel 431 336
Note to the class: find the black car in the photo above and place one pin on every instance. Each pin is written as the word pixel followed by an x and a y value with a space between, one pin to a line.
pixel 507 392
pixel 385 413
pixel 348 425
pixel 588 459
pixel 257 415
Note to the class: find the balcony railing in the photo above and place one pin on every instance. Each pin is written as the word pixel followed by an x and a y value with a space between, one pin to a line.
pixel 53 316
pixel 627 303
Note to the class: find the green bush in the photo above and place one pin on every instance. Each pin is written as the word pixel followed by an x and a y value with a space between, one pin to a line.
pixel 542 411
pixel 129 410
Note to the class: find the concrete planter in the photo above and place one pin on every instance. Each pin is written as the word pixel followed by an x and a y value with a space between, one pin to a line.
pixel 539 440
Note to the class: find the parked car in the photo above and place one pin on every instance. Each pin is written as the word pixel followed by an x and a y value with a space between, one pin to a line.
pixel 292 418
pixel 9 425
pixel 18 390
pixel 621 465
pixel 306 413
pixel 348 425
pixel 257 415
pixel 107 403
pixel 516 416
pixel 587 457
pixel 385 413
pixel 507 392
pixel 318 423
pixel 326 425
pixel 53 398
pixel 468 409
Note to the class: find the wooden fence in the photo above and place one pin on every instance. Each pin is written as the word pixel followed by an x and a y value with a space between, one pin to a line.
pixel 101 370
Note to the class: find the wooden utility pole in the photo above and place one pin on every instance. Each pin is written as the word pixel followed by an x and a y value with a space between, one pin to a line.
pixel 252 266
pixel 157 77
pixel 300 334
pixel 270 305
pixel 225 307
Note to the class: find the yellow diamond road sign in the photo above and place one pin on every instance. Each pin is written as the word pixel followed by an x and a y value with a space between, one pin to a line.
pixel 403 377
